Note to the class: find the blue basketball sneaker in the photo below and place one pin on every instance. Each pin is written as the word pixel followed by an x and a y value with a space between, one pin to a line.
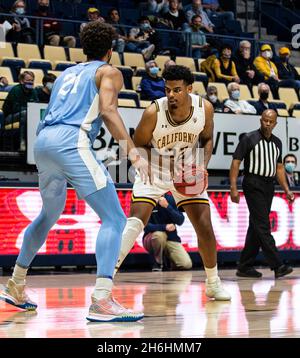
pixel 15 295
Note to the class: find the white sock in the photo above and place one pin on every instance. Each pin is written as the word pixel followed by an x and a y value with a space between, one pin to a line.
pixel 19 275
pixel 211 273
pixel 103 288
pixel 133 228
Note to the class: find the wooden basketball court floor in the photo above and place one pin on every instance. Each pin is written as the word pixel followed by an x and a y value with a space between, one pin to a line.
pixel 174 303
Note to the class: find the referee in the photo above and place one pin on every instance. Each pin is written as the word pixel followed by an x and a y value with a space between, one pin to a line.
pixel 262 152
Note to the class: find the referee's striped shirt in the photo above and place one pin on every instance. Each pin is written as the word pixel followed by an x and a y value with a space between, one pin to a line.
pixel 260 154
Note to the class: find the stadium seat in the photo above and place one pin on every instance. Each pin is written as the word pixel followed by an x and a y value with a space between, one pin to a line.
pixel 127 73
pixel 136 81
pixel 201 77
pixel 122 102
pixel 77 55
pixel 288 95
pixel 115 59
pixel 3 95
pixel 6 72
pixel 28 52
pixel 6 50
pixel 55 54
pixel 298 70
pixel 222 90
pixel 296 113
pixel 38 73
pixel 140 71
pixel 133 59
pixel 200 60
pixel 130 94
pixel 198 88
pixel 56 73
pixel 186 61
pixel 282 112
pixel 145 104
pixel 245 92
pixel 62 65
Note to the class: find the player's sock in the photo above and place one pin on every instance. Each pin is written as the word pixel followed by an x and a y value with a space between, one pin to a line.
pixel 19 274
pixel 211 273
pixel 133 228
pixel 103 288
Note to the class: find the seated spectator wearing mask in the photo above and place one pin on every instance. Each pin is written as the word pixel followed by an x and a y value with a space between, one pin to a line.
pixel 212 97
pixel 247 72
pixel 262 104
pixel 93 14
pixel 290 164
pixel 287 73
pixel 224 67
pixel 44 92
pixel 15 104
pixel 234 104
pixel 267 68
pixel 152 86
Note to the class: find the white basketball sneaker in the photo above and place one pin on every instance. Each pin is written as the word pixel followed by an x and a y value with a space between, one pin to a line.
pixel 215 290
pixel 15 295
pixel 109 310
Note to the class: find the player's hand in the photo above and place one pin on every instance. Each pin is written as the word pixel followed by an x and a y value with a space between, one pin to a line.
pixel 163 202
pixel 170 227
pixel 235 196
pixel 290 196
pixel 143 168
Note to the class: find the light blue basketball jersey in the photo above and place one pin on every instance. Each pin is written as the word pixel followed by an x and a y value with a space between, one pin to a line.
pixel 74 99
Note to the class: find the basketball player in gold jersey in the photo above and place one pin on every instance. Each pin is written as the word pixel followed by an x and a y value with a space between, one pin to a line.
pixel 178 121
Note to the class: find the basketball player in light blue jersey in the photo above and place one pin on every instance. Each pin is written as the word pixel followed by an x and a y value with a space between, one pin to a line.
pixel 81 98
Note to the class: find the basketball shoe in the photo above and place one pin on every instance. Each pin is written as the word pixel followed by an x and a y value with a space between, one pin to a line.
pixel 215 290
pixel 15 295
pixel 109 310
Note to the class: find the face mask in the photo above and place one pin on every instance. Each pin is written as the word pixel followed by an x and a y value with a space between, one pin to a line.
pixel 267 54
pixel 20 10
pixel 290 167
pixel 49 85
pixel 43 8
pixel 145 26
pixel 226 55
pixel 197 27
pixel 154 70
pixel 213 98
pixel 285 58
pixel 235 94
pixel 28 86
pixel 264 96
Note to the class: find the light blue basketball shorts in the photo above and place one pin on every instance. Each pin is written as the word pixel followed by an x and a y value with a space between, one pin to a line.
pixel 63 153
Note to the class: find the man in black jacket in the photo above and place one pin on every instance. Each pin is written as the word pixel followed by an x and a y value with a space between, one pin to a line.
pixel 161 236
pixel 287 73
pixel 262 104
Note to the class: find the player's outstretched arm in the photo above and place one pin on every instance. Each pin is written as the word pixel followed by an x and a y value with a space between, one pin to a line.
pixel 206 136
pixel 110 81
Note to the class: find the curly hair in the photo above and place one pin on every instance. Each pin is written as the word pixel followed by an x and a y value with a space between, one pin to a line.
pixel 96 39
pixel 177 73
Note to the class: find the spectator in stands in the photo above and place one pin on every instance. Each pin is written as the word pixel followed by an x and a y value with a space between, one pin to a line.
pixel 196 9
pixel 152 86
pixel 267 68
pixel 169 63
pixel 246 71
pixel 156 6
pixel 15 104
pixel 200 47
pixel 114 20
pixel 175 15
pixel 21 28
pixel 44 92
pixel 290 164
pixel 213 9
pixel 139 39
pixel 212 97
pixel 224 67
pixel 51 28
pixel 93 14
pixel 4 86
pixel 234 104
pixel 262 104
pixel 161 236
pixel 287 73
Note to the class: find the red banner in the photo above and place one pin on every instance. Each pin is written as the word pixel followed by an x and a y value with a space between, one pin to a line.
pixel 77 228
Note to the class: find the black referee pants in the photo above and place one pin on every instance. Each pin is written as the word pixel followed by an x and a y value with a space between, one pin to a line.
pixel 259 193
